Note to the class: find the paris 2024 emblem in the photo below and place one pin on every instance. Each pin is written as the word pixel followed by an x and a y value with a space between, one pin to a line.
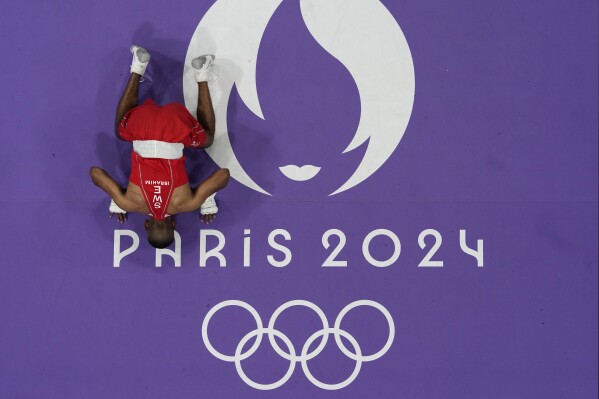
pixel 361 34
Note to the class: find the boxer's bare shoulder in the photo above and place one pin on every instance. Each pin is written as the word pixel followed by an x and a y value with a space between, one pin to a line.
pixel 126 200
pixel 193 199
pixel 181 200
pixel 181 196
pixel 135 200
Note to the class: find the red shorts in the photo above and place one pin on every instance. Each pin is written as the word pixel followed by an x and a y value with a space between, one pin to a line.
pixel 171 123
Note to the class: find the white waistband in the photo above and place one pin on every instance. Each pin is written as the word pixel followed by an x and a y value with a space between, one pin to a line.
pixel 158 149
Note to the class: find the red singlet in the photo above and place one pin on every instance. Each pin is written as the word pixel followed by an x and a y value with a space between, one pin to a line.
pixel 157 177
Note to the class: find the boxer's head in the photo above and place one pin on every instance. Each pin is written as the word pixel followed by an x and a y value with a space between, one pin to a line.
pixel 161 233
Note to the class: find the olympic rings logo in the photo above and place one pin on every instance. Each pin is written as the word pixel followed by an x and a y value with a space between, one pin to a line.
pixel 291 353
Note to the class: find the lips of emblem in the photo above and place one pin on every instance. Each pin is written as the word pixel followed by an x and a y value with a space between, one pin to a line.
pixel 299 173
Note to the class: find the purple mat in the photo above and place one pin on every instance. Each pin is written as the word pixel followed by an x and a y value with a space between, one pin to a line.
pixel 501 143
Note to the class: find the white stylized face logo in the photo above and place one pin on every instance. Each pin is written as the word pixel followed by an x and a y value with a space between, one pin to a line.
pixel 361 34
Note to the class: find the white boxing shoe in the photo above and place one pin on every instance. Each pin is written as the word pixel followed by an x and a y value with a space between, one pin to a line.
pixel 209 206
pixel 201 66
pixel 141 57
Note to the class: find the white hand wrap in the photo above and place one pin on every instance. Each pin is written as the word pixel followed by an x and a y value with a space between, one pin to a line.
pixel 114 208
pixel 209 206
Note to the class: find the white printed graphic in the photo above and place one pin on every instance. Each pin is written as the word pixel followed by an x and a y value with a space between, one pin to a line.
pixel 361 34
pixel 300 173
pixel 291 354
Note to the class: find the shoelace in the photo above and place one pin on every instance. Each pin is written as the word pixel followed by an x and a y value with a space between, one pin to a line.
pixel 144 77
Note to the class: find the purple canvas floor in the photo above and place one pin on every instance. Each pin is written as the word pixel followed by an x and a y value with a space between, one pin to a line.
pixel 502 143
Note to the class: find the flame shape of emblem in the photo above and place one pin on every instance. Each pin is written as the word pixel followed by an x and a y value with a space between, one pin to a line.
pixel 378 59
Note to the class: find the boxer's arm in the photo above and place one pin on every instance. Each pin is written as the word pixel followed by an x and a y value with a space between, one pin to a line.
pixel 111 187
pixel 217 181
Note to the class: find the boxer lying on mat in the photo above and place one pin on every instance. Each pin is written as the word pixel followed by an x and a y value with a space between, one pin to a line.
pixel 158 183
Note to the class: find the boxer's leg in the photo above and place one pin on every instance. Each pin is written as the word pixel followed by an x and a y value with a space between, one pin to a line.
pixel 128 101
pixel 205 111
